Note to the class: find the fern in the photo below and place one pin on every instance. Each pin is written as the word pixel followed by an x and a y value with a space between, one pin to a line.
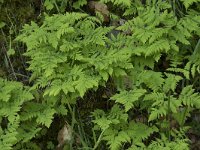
pixel 125 3
pixel 118 131
pixel 171 82
pixel 139 132
pixel 33 129
pixel 42 113
pixel 115 139
pixel 78 4
pixel 60 5
pixel 13 96
pixel 189 97
pixel 185 72
pixel 179 144
pixel 128 98
pixel 78 57
pixel 156 79
pixel 189 2
pixel 73 54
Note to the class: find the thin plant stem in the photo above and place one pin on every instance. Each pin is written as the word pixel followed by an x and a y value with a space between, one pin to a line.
pixel 8 58
pixel 169 118
pixel 99 140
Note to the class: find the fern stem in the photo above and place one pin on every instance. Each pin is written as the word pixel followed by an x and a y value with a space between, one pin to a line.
pixel 72 112
pixel 184 116
pixel 82 131
pixel 9 61
pixel 196 48
pixel 57 7
pixel 174 7
pixel 70 108
pixel 99 140
pixel 94 136
pixel 169 119
pixel 172 3
pixel 72 124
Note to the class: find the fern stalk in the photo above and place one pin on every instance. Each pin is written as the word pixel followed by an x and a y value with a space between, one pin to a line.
pixel 99 140
pixel 72 125
pixel 57 8
pixel 8 58
pixel 169 118
pixel 184 116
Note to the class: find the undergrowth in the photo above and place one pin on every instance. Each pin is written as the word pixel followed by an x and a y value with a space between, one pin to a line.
pixel 128 83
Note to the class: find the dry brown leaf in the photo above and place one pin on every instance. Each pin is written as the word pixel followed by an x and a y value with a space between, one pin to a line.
pixel 64 136
pixel 101 8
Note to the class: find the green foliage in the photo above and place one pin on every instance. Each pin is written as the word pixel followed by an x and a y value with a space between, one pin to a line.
pixel 149 66
pixel 68 45
pixel 62 5
pixel 127 98
pixel 188 3
pixel 125 3
pixel 12 97
pixel 179 143
pixel 118 131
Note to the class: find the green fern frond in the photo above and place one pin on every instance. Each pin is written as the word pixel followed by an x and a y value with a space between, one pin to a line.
pixel 179 143
pixel 160 46
pixel 32 129
pixel 43 113
pixel 171 82
pixel 188 3
pixel 115 139
pixel 189 98
pixel 143 130
pixel 128 98
pixel 185 72
pixel 126 3
pixel 12 98
pixel 156 79
pixel 79 4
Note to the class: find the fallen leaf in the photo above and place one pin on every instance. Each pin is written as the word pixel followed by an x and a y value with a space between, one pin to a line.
pixel 64 136
pixel 101 8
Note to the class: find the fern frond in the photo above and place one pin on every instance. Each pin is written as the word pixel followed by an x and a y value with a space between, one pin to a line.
pixel 156 79
pixel 79 4
pixel 139 132
pixel 188 3
pixel 43 113
pixel 12 98
pixel 179 143
pixel 185 72
pixel 160 46
pixel 126 3
pixel 115 139
pixel 189 98
pixel 171 82
pixel 128 98
pixel 32 129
